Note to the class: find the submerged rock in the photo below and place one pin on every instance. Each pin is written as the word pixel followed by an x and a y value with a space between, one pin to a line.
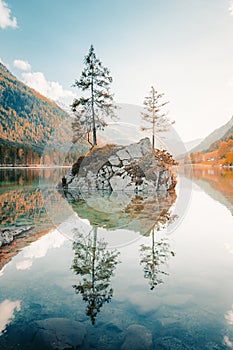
pixel 133 168
pixel 59 333
pixel 138 338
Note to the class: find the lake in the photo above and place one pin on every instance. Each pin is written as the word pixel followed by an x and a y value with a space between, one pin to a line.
pixel 119 271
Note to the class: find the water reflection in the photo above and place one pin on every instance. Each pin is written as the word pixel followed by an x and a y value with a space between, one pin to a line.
pixel 21 201
pixel 18 176
pixel 120 210
pixel 94 263
pixel 229 316
pixel 154 256
pixel 216 182
pixel 7 310
pixel 227 342
pixel 22 205
pixel 189 311
pixel 94 266
pixel 30 176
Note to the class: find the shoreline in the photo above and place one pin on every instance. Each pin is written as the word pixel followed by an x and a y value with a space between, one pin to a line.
pixel 199 165
pixel 35 167
pixel 8 251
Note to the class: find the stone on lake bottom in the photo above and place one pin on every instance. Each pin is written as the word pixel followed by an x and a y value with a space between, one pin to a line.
pixel 137 338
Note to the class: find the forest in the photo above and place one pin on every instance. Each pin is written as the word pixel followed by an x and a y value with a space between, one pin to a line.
pixel 220 153
pixel 27 121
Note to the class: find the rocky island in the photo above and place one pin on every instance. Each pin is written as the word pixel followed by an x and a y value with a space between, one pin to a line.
pixel 133 168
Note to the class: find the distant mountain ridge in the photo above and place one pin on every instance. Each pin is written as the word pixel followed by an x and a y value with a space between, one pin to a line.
pixel 216 135
pixel 191 144
pixel 26 117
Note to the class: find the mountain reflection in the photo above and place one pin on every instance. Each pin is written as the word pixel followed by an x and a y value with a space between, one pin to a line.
pixel 22 205
pixel 29 176
pixel 216 182
pixel 94 265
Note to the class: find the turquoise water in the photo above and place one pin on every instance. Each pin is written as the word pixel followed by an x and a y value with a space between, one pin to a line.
pixel 111 275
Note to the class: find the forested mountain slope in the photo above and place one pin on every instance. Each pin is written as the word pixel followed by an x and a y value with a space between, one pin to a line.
pixel 27 120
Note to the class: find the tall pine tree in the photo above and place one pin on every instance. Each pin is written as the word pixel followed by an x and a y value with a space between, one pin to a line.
pixel 153 114
pixel 97 104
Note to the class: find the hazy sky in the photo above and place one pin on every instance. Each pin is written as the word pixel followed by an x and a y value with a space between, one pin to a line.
pixel 182 47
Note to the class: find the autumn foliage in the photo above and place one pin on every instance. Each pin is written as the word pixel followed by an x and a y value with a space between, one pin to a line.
pixel 221 153
pixel 26 117
pixel 27 122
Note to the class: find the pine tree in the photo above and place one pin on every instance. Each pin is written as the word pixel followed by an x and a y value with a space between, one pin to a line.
pixel 92 109
pixel 153 114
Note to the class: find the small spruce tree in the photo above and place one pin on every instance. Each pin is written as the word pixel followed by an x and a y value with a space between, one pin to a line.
pixel 153 114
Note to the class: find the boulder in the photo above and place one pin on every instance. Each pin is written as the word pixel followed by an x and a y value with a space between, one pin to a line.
pixel 132 168
pixel 8 235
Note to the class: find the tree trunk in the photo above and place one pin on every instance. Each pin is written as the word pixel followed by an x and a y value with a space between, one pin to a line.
pixel 153 259
pixel 93 258
pixel 153 135
pixel 92 110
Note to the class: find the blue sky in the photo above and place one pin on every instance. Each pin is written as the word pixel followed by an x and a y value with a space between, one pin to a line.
pixel 182 47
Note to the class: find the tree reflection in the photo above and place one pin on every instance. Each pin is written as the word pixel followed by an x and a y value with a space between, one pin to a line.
pixel 94 265
pixel 156 255
pixel 145 214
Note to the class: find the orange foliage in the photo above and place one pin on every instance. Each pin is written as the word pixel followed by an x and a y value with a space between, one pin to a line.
pixel 222 156
pixel 26 117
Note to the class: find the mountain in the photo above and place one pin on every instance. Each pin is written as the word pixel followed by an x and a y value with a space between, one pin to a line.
pixel 187 147
pixel 27 118
pixel 229 131
pixel 191 144
pixel 27 121
pixel 216 149
pixel 216 135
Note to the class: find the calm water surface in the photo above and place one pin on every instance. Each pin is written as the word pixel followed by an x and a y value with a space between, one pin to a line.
pixel 111 275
